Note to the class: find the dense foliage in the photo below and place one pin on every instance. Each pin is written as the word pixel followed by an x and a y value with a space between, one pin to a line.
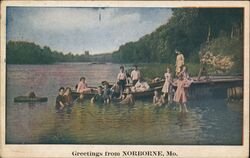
pixel 186 31
pixel 28 53
pixel 21 52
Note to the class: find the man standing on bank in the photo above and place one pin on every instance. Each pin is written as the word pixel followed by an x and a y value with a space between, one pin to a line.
pixel 179 62
pixel 135 75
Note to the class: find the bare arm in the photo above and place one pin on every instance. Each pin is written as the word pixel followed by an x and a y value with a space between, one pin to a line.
pixel 92 100
pixel 174 83
pixel 61 104
pixel 187 84
pixel 78 88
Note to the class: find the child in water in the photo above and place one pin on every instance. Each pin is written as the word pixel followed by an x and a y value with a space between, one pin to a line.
pixel 106 92
pixel 167 87
pixel 60 100
pixel 158 100
pixel 127 98
pixel 67 97
pixel 115 90
pixel 98 98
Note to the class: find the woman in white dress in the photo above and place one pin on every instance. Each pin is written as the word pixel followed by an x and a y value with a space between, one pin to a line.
pixel 167 87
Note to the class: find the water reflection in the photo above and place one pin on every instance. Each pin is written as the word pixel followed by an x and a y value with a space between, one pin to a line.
pixel 210 121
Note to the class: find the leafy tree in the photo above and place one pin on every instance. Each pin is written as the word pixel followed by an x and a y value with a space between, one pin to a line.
pixel 186 31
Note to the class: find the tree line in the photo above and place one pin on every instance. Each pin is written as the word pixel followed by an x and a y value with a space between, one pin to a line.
pixel 187 31
pixel 22 52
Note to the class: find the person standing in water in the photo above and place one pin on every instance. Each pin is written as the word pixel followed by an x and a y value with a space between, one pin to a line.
pixel 135 75
pixel 68 100
pixel 180 96
pixel 106 92
pixel 122 80
pixel 98 98
pixel 179 62
pixel 167 87
pixel 60 100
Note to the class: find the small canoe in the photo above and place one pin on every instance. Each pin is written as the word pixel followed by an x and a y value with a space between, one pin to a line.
pixel 22 99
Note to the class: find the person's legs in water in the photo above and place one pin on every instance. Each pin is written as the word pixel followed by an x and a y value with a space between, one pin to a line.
pixel 185 107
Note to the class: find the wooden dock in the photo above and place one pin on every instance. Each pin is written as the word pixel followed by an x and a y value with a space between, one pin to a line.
pixel 230 87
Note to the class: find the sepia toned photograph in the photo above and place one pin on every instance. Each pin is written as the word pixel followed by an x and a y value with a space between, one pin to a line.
pixel 115 75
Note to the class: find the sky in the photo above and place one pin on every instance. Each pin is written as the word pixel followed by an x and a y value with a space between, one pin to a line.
pixel 99 30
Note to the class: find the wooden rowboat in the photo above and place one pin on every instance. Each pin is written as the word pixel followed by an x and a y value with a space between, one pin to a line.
pixel 151 84
pixel 136 95
pixel 22 99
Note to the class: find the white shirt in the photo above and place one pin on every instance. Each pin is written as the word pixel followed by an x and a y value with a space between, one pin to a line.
pixel 135 74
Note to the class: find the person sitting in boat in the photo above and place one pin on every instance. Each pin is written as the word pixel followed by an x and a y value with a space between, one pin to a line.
pixel 135 75
pixel 127 98
pixel 82 86
pixel 122 80
pixel 115 90
pixel 68 100
pixel 98 98
pixel 158 100
pixel 32 95
pixel 60 100
pixel 140 86
pixel 106 92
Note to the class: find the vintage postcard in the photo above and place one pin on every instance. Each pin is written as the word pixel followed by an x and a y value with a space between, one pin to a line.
pixel 124 79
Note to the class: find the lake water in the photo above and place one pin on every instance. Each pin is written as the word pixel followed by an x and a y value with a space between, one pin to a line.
pixel 209 121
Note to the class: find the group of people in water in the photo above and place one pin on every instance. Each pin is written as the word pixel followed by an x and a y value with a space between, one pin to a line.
pixel 122 92
pixel 170 94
